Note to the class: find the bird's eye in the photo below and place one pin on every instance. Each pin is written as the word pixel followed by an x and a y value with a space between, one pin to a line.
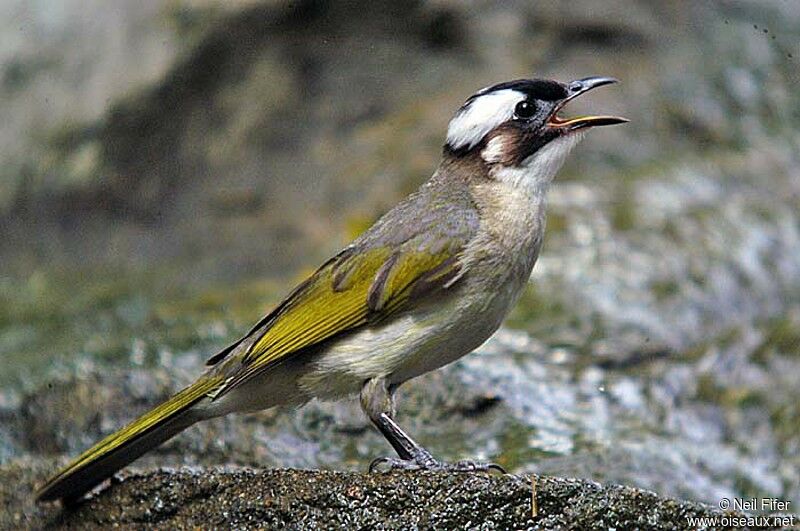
pixel 524 110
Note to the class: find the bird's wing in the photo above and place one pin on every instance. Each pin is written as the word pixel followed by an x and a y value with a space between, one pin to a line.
pixel 369 281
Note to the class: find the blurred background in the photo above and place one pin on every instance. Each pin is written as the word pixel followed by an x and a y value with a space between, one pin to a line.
pixel 168 168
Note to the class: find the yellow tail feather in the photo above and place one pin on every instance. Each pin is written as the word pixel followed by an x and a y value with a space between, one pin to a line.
pixel 120 448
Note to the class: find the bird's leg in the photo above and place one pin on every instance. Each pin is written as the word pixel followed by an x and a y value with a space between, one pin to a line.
pixel 377 401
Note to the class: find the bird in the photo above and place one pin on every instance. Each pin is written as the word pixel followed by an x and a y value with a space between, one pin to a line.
pixel 428 283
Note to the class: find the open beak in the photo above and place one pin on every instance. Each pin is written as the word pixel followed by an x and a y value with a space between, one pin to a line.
pixel 575 89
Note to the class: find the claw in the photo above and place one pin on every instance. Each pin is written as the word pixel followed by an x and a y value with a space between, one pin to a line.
pixel 375 462
pixel 473 466
pixel 495 466
pixel 425 462
pixel 394 464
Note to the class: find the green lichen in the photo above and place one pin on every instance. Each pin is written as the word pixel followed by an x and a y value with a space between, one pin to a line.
pixel 730 397
pixel 515 440
pixel 781 338
pixel 785 419
pixel 557 221
pixel 664 289
pixel 101 315
pixel 535 308
pixel 623 211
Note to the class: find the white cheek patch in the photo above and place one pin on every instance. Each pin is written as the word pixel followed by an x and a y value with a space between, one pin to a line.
pixel 483 114
pixel 539 169
pixel 545 163
pixel 494 150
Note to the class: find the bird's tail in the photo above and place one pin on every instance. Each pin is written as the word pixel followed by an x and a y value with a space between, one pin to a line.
pixel 120 448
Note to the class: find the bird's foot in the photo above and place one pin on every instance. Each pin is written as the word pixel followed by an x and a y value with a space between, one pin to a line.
pixel 423 460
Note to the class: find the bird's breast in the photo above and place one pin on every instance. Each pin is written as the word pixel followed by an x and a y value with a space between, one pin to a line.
pixel 511 231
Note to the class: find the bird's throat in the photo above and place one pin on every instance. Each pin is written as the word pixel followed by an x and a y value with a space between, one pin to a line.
pixel 535 173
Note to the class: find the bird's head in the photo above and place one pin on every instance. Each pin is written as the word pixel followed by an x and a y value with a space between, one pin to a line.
pixel 514 127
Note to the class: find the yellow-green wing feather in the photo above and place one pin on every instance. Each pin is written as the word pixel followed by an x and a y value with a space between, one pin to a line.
pixel 350 291
pixel 321 309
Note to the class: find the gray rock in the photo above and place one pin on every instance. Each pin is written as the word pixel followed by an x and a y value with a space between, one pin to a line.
pixel 313 499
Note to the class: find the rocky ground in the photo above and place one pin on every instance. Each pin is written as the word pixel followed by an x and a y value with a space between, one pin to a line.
pixel 307 499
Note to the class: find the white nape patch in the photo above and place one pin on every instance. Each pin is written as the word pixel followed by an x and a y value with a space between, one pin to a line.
pixel 483 114
pixel 494 150
pixel 538 170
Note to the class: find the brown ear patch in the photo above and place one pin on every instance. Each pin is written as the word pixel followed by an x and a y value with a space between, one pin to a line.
pixel 509 144
pixel 504 145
